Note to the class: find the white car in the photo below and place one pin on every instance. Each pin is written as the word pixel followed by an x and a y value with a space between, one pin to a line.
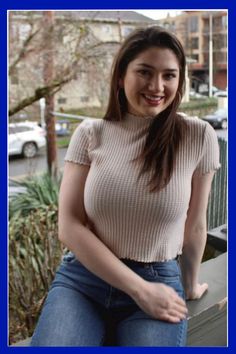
pixel 221 93
pixel 26 139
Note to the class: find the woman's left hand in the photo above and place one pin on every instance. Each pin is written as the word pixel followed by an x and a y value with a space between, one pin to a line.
pixel 197 292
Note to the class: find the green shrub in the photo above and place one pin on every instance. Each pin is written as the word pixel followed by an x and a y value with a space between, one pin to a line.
pixel 41 191
pixel 34 253
pixel 198 107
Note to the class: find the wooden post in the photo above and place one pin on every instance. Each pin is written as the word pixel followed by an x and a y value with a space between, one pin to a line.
pixel 49 99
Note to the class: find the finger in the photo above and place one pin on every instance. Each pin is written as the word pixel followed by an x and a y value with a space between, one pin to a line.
pixel 177 298
pixel 180 301
pixel 171 318
pixel 180 309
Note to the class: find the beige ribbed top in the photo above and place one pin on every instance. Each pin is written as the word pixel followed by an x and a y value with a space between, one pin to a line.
pixel 131 221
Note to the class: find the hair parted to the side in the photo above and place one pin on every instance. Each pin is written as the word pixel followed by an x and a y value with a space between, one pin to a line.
pixel 166 131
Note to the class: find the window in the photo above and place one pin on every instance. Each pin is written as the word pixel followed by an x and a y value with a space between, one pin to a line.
pixel 61 100
pixel 193 24
pixel 22 129
pixel 106 29
pixel 220 57
pixel 127 30
pixel 219 41
pixel 84 99
pixel 224 21
pixel 11 130
pixel 194 43
pixel 195 57
pixel 24 30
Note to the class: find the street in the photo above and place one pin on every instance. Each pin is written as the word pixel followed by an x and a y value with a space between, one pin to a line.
pixel 19 166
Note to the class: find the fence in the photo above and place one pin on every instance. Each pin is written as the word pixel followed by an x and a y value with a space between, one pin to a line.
pixel 217 207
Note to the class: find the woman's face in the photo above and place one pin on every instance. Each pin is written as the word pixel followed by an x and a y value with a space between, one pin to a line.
pixel 151 81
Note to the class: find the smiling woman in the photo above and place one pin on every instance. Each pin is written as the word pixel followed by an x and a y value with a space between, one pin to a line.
pixel 151 81
pixel 132 208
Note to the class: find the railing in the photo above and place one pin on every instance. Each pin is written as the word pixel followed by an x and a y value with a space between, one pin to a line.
pixel 217 207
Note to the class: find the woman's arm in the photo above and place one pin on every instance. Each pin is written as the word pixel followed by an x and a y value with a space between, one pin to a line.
pixel 195 236
pixel 158 300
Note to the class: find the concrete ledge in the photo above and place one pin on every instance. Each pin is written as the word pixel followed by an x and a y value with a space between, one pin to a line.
pixel 208 316
pixel 207 322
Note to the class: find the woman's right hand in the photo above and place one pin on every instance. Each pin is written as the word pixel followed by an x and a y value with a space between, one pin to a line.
pixel 161 302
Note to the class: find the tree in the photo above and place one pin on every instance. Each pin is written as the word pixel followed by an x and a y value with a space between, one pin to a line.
pixel 45 54
pixel 48 73
pixel 75 49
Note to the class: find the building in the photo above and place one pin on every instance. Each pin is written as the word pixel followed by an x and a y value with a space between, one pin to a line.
pixel 87 40
pixel 193 29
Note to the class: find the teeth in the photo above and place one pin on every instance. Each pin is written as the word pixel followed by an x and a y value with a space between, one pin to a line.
pixel 153 98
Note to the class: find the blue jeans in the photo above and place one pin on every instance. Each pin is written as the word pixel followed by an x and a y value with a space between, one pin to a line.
pixel 83 310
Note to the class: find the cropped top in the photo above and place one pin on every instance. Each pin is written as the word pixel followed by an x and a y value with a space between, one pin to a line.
pixel 132 222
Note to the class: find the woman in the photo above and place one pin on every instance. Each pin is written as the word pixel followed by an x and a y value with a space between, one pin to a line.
pixel 132 208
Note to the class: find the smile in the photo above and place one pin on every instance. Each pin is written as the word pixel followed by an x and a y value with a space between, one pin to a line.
pixel 153 100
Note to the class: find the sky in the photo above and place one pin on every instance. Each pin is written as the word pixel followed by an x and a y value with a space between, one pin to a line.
pixel 158 14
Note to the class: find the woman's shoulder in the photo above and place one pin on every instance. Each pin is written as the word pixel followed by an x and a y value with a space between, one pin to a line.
pixel 199 131
pixel 91 122
pixel 195 124
pixel 90 125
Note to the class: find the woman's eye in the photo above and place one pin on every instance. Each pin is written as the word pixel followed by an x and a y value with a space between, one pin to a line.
pixel 170 76
pixel 144 72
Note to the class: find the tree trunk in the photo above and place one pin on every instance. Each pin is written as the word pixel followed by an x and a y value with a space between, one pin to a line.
pixel 49 99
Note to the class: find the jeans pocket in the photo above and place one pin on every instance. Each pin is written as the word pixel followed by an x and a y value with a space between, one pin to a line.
pixel 167 272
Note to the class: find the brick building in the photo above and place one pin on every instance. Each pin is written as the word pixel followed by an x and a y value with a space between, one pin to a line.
pixel 193 29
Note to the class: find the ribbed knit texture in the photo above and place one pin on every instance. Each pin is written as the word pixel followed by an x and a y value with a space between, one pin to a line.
pixel 131 221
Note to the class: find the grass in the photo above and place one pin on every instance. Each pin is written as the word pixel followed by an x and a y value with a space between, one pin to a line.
pixel 63 142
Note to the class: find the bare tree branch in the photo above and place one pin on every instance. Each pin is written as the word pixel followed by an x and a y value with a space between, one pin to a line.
pixel 39 93
pixel 76 49
pixel 23 52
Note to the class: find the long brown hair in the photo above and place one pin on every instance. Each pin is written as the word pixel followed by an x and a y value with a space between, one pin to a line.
pixel 166 132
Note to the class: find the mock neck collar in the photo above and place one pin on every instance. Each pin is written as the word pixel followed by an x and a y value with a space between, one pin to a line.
pixel 138 120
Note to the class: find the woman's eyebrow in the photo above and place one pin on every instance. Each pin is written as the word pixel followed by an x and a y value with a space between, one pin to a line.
pixel 152 67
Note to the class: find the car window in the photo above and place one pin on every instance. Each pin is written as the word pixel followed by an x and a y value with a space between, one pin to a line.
pixel 22 129
pixel 220 112
pixel 11 130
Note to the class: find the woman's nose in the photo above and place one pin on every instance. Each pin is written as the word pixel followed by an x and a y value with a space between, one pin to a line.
pixel 156 84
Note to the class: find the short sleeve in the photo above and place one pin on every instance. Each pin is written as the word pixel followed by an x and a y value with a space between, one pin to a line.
pixel 78 149
pixel 209 160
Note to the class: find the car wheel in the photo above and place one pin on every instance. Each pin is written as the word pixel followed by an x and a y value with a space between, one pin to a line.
pixel 29 150
pixel 224 124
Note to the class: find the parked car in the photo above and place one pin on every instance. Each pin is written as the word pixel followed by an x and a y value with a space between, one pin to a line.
pixel 218 119
pixel 221 93
pixel 62 128
pixel 25 138
pixel 195 95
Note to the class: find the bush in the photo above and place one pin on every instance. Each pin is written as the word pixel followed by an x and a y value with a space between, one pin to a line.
pixel 199 107
pixel 34 253
pixel 41 191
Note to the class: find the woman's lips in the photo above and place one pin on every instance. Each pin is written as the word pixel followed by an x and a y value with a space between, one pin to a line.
pixel 153 100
